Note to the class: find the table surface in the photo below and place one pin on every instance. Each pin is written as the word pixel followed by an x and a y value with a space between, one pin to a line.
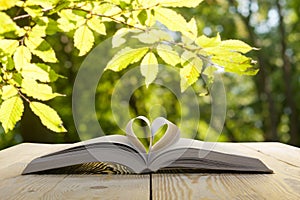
pixel 283 159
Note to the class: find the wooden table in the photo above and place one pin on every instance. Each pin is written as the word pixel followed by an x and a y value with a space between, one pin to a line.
pixel 283 184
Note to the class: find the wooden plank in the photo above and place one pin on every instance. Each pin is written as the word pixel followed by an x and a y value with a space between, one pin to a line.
pixel 219 186
pixel 279 151
pixel 13 160
pixel 13 185
pixel 75 187
pixel 283 184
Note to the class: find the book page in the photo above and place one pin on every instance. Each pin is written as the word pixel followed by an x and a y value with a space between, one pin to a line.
pixel 133 138
pixel 189 153
pixel 104 139
pixel 170 138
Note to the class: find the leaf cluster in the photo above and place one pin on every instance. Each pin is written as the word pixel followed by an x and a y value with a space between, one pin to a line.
pixel 26 56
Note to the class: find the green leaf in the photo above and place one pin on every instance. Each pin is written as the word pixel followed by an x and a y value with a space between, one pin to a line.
pixel 153 36
pixel 9 46
pixel 11 111
pixel 8 64
pixel 52 27
pixel 38 31
pixel 53 76
pixel 44 26
pixel 168 17
pixel 117 39
pixel 192 66
pixel 168 55
pixel 126 1
pixel 192 26
pixel 68 20
pixel 107 9
pixel 34 11
pixel 189 57
pixel 150 18
pixel 180 3
pixel 61 5
pixel 38 71
pixel 125 57
pixel 148 3
pixel 188 76
pixel 66 25
pixel 236 45
pixel 149 68
pixel 206 42
pixel 43 3
pixel 37 90
pixel 48 116
pixel 209 72
pixel 95 24
pixel 16 80
pixel 7 24
pixel 115 2
pixel 133 18
pixel 142 16
pixel 8 91
pixel 41 48
pixel 22 57
pixel 233 62
pixel 7 4
pixel 83 39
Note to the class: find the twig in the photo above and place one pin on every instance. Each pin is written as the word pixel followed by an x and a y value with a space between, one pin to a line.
pixel 22 96
pixel 27 15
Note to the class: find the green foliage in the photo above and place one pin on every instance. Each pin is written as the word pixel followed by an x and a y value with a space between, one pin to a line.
pixel 83 39
pixel 4 5
pixel 37 90
pixel 10 112
pixel 22 57
pixel 190 72
pixel 149 68
pixel 48 116
pixel 41 48
pixel 192 56
pixel 180 3
pixel 27 54
pixel 125 57
pixel 169 57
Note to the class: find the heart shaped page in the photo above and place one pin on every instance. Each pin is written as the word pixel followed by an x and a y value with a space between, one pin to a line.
pixel 170 137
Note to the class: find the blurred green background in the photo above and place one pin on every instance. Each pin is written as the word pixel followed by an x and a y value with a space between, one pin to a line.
pixel 260 108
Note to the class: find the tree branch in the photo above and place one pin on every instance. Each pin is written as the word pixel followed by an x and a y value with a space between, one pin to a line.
pixel 27 15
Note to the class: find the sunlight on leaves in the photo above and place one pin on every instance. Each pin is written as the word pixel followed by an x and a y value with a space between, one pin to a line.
pixel 149 68
pixel 22 57
pixel 83 39
pixel 38 90
pixel 48 116
pixel 168 55
pixel 11 111
pixel 125 57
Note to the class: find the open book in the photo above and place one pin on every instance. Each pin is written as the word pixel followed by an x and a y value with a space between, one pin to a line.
pixel 128 154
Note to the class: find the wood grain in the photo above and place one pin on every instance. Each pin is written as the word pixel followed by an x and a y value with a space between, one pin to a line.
pixel 285 153
pixel 13 185
pixel 75 187
pixel 283 184
pixel 220 186
pixel 13 160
